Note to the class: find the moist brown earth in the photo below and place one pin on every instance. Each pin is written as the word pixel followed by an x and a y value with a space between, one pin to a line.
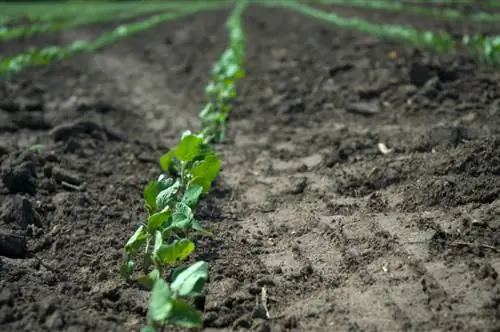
pixel 360 185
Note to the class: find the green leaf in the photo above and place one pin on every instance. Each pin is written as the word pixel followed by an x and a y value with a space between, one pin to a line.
pixel 189 148
pixel 158 242
pixel 135 242
pixel 165 196
pixel 182 217
pixel 127 268
pixel 175 252
pixel 148 329
pixel 205 171
pixel 176 271
pixel 207 110
pixel 160 305
pixel 148 280
pixel 167 160
pixel 199 229
pixel 185 315
pixel 158 219
pixel 150 193
pixel 190 282
pixel 192 195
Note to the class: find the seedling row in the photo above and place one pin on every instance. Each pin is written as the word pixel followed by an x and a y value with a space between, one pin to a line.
pixel 386 5
pixel 486 49
pixel 155 253
pixel 483 48
pixel 29 30
pixel 36 57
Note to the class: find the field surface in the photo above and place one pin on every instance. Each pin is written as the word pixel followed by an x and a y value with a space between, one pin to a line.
pixel 360 182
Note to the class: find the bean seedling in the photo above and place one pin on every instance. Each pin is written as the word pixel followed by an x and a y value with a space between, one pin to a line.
pixel 163 241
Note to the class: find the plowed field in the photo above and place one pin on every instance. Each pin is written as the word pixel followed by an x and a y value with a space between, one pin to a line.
pixel 360 181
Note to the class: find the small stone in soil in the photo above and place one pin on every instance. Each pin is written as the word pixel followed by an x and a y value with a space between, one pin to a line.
pixel 20 178
pixel 363 108
pixel 12 246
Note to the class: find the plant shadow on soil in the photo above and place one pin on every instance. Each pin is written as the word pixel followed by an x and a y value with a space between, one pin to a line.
pixel 340 235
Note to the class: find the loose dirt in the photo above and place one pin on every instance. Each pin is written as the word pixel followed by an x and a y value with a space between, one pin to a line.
pixel 360 185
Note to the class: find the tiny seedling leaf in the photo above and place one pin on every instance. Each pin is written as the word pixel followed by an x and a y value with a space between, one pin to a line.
pixel 175 252
pixel 190 282
pixel 185 315
pixel 167 160
pixel 160 305
pixel 205 171
pixel 199 229
pixel 148 280
pixel 127 268
pixel 158 242
pixel 150 192
pixel 136 241
pixel 189 148
pixel 165 196
pixel 182 217
pixel 158 219
pixel 148 329
pixel 192 195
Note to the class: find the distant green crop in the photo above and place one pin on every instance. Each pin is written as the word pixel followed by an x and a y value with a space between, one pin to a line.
pixel 36 57
pixel 438 41
pixel 36 28
pixel 51 12
pixel 221 91
pixel 444 13
pixel 486 49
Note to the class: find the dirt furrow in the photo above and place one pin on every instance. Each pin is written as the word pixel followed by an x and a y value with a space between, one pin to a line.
pixel 341 235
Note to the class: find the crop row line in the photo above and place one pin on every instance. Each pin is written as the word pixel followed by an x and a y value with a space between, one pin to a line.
pixel 486 49
pixel 29 30
pixel 36 57
pixel 47 12
pixel 487 4
pixel 444 13
pixel 166 239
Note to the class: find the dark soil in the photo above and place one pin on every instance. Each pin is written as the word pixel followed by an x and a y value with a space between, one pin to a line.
pixel 344 233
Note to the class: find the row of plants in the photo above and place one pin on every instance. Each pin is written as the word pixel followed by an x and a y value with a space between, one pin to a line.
pixel 443 13
pixel 36 57
pixel 439 41
pixel 484 4
pixel 486 49
pixel 42 12
pixel 13 13
pixel 156 254
pixel 29 30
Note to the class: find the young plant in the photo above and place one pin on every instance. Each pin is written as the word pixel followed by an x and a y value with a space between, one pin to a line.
pixel 169 302
pixel 221 91
pixel 487 49
pixel 162 240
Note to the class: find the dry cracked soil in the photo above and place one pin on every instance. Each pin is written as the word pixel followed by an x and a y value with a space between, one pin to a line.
pixel 360 182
